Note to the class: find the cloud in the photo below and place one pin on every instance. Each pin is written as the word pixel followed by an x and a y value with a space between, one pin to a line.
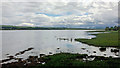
pixel 59 0
pixel 60 14
pixel 26 24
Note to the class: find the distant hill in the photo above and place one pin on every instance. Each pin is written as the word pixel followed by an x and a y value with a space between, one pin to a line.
pixel 11 27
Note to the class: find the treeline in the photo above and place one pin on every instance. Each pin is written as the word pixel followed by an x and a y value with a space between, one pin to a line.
pixel 115 28
pixel 10 27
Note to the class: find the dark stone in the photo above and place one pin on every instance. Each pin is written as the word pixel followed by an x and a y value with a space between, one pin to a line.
pixel 11 57
pixel 114 50
pixel 30 48
pixel 102 49
pixel 17 54
pixel 50 52
pixel 19 59
pixel 83 48
pixel 7 54
pixel 104 54
pixel 94 51
pixel 58 48
pixel 5 60
pixel 22 52
pixel 117 55
pixel 41 55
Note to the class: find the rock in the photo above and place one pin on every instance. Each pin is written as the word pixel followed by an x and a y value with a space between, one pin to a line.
pixel 114 50
pixel 58 48
pixel 11 57
pixel 91 56
pixel 35 56
pixel 94 51
pixel 102 49
pixel 104 54
pixel 32 58
pixel 5 60
pixel 7 54
pixel 30 48
pixel 50 52
pixel 19 59
pixel 83 48
pixel 22 52
pixel 42 55
pixel 116 55
pixel 17 54
pixel 110 56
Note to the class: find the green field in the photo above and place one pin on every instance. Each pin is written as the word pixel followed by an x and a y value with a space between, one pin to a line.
pixel 67 60
pixel 76 60
pixel 103 39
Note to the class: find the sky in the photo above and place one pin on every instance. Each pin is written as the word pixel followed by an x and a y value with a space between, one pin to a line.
pixel 60 14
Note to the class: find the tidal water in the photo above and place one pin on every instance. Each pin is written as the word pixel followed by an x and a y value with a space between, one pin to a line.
pixel 48 42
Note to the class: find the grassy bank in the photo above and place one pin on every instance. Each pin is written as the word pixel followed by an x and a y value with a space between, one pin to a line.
pixel 76 60
pixel 103 39
pixel 67 60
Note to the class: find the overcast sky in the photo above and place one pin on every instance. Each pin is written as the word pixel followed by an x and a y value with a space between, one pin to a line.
pixel 60 14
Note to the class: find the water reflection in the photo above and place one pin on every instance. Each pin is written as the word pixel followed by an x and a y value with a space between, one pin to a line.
pixel 49 42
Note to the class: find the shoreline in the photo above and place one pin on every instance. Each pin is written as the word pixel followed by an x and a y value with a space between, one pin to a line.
pixel 101 39
pixel 63 59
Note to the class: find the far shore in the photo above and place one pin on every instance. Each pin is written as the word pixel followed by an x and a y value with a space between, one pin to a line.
pixel 11 27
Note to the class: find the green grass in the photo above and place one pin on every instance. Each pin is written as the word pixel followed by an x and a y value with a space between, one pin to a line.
pixel 69 60
pixel 75 60
pixel 103 39
pixel 62 59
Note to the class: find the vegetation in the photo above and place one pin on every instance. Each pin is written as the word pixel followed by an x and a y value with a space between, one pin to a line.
pixel 76 60
pixel 68 60
pixel 103 39
pixel 115 28
pixel 109 39
pixel 10 27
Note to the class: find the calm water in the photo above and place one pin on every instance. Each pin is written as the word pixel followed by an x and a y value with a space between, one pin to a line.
pixel 45 41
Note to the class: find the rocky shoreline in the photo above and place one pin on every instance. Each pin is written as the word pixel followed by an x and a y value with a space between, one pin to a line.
pixel 33 61
pixel 42 59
